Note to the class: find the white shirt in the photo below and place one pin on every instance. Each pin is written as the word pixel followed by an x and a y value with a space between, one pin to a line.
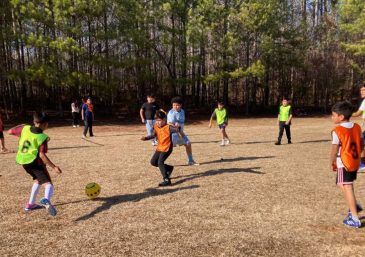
pixel 336 141
pixel 362 108
pixel 74 108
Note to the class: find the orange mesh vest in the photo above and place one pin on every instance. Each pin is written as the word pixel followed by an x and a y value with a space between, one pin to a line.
pixel 350 142
pixel 163 138
pixel 90 107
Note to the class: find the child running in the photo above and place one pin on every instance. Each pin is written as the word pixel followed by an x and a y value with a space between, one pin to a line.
pixel 347 144
pixel 221 115
pixel 164 148
pixel 2 139
pixel 33 144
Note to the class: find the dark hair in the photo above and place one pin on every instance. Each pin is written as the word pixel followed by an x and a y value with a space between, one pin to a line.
pixel 344 108
pixel 151 95
pixel 40 117
pixel 160 115
pixel 286 98
pixel 177 99
pixel 220 102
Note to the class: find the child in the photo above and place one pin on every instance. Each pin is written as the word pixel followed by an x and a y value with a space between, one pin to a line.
pixel 147 113
pixel 33 144
pixel 87 115
pixel 361 111
pixel 176 118
pixel 164 148
pixel 284 121
pixel 221 115
pixel 347 144
pixel 2 139
pixel 75 113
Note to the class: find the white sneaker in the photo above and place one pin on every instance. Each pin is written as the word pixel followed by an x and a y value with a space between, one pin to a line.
pixel 222 143
pixel 74 126
pixel 77 125
pixel 193 163
pixel 227 141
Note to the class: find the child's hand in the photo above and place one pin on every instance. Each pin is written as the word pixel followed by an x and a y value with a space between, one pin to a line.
pixel 143 121
pixel 57 169
pixel 334 167
pixel 177 125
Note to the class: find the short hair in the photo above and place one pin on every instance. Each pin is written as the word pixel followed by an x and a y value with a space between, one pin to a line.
pixel 286 98
pixel 344 108
pixel 40 117
pixel 151 95
pixel 177 100
pixel 160 115
pixel 220 102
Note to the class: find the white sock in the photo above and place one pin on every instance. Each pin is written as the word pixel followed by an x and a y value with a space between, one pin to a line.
pixel 33 194
pixel 48 192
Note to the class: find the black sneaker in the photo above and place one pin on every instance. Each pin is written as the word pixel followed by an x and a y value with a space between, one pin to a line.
pixel 277 143
pixel 168 173
pixel 165 182
pixel 289 142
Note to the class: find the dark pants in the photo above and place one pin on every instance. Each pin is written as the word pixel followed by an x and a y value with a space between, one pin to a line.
pixel 88 126
pixel 158 160
pixel 283 126
pixel 76 117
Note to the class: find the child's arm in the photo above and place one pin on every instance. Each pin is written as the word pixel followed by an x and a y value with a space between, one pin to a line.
pixel 333 156
pixel 213 116
pixel 145 138
pixel 141 114
pixel 16 131
pixel 82 112
pixel 48 162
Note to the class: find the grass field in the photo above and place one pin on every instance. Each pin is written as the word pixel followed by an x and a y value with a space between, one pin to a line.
pixel 260 200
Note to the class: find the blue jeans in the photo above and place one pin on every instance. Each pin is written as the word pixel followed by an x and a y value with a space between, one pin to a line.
pixel 150 130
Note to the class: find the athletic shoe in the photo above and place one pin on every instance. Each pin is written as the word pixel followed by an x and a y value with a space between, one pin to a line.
pixel 193 163
pixel 83 136
pixel 49 207
pixel 227 141
pixel 289 142
pixel 31 207
pixel 351 222
pixel 77 125
pixel 165 182
pixel 154 143
pixel 169 172
pixel 362 167
pixel 358 209
pixel 222 143
pixel 73 126
pixel 277 143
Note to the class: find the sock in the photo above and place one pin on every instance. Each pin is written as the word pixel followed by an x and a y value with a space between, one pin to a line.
pixel 355 218
pixel 190 157
pixel 48 192
pixel 33 194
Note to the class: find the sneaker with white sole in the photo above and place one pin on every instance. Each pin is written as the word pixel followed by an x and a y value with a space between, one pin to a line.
pixel 222 143
pixel 31 207
pixel 358 209
pixel 227 141
pixel 351 222
pixel 49 207
pixel 193 163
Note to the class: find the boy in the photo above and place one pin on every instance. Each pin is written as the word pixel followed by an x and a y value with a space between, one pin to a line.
pixel 2 139
pixel 176 118
pixel 284 120
pixel 147 114
pixel 347 144
pixel 33 144
pixel 361 111
pixel 164 148
pixel 221 115
pixel 87 115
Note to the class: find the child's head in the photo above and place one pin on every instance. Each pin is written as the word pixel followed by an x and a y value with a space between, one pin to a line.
pixel 176 103
pixel 362 91
pixel 160 119
pixel 150 98
pixel 342 111
pixel 40 120
pixel 285 101
pixel 89 101
pixel 220 104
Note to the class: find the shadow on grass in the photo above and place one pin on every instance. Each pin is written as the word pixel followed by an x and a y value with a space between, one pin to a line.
pixel 90 141
pixel 249 158
pixel 108 202
pixel 120 135
pixel 257 142
pixel 315 141
pixel 216 172
pixel 70 147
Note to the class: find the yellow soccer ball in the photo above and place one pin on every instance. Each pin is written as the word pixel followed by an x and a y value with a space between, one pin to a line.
pixel 92 190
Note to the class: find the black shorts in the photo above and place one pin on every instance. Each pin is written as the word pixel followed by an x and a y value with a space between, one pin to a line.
pixel 1 134
pixel 345 177
pixel 38 172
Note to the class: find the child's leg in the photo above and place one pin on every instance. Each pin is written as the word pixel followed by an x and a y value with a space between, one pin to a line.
pixel 225 134
pixel 281 130
pixel 154 159
pixel 287 131
pixel 222 133
pixel 164 168
pixel 189 152
pixel 91 127
pixel 348 191
pixel 48 191
pixel 34 192
pixel 85 126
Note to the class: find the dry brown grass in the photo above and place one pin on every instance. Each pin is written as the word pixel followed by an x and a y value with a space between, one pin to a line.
pixel 261 200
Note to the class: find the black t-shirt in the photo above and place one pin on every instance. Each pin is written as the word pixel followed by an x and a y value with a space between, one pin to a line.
pixel 150 110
